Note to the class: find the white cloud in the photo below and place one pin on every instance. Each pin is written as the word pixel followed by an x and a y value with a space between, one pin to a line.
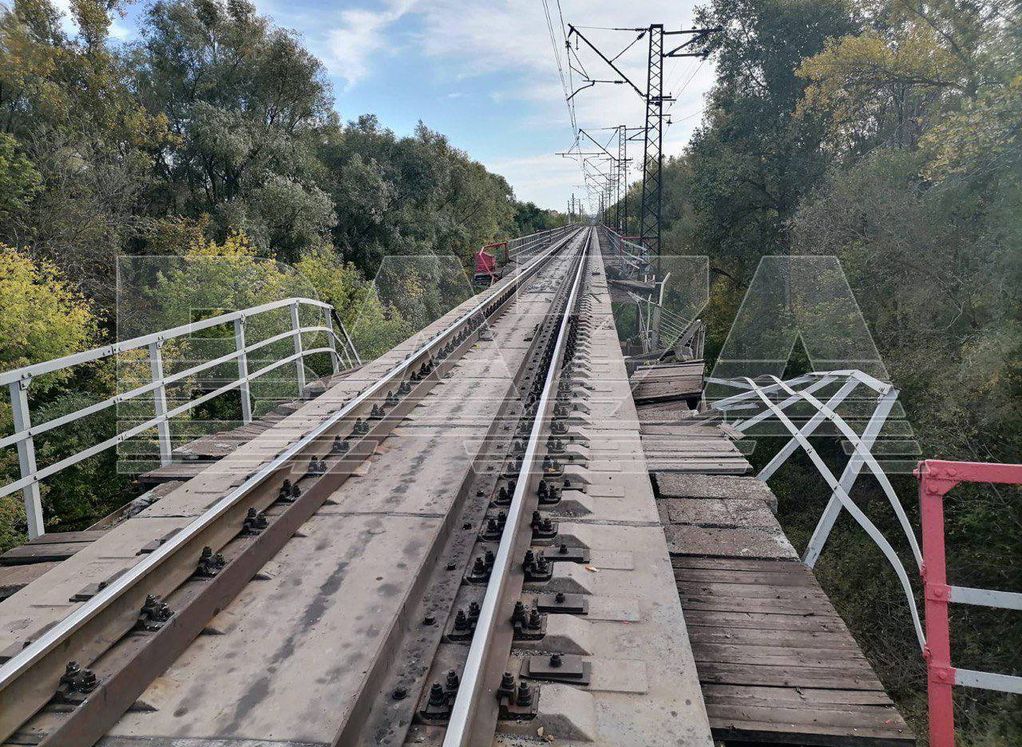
pixel 361 34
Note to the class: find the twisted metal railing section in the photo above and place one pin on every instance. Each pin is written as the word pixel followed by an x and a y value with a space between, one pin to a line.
pixel 801 391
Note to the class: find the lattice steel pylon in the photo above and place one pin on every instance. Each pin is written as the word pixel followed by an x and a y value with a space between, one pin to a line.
pixel 621 216
pixel 651 207
pixel 652 200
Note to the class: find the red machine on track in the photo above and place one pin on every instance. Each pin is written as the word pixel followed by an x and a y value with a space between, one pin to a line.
pixel 486 271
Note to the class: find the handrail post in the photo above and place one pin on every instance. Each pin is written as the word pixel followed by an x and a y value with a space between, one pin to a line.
pixel 244 389
pixel 26 456
pixel 328 322
pixel 940 676
pixel 296 325
pixel 160 402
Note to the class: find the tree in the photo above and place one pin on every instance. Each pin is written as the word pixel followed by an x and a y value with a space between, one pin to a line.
pixel 19 180
pixel 66 101
pixel 42 316
pixel 246 106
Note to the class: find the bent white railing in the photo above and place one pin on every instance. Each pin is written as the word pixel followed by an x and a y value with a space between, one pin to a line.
pixel 338 346
pixel 762 397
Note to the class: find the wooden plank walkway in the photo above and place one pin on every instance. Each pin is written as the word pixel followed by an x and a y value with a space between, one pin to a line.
pixel 776 662
pixel 665 382
pixel 691 446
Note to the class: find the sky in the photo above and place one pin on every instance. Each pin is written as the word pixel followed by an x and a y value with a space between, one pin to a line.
pixel 483 72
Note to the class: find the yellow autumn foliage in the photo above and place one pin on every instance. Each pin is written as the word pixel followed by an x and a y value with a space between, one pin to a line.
pixel 856 75
pixel 42 316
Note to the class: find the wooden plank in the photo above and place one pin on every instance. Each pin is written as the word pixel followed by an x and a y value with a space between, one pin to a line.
pixel 16 577
pixel 181 472
pixel 834 718
pixel 827 658
pixel 687 576
pixel 715 634
pixel 783 696
pixel 681 430
pixel 784 594
pixel 695 617
pixel 795 607
pixel 779 565
pixel 736 730
pixel 786 675
pixel 25 554
pixel 50 538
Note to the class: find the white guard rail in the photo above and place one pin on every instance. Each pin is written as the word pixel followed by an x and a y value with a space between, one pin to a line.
pixel 18 381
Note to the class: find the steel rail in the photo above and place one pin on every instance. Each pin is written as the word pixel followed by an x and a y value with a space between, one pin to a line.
pixel 52 638
pixel 472 685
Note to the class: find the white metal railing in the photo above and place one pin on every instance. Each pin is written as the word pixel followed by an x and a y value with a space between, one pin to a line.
pixel 520 246
pixel 628 257
pixel 18 381
pixel 772 399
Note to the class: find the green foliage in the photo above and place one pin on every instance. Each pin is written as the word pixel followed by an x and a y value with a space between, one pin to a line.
pixel 70 499
pixel 19 180
pixel 41 316
pixel 247 105
pixel 411 196
pixel 375 327
pixel 529 218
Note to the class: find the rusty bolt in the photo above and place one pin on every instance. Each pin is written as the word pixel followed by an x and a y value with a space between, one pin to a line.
pixel 437 697
pixel 524 694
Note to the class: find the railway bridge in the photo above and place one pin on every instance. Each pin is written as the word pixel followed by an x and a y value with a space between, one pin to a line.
pixel 501 531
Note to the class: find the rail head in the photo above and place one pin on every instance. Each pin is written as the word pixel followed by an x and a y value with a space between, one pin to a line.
pixel 473 685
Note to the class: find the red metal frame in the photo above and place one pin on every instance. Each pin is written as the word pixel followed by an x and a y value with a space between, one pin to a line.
pixel 936 478
pixel 497 245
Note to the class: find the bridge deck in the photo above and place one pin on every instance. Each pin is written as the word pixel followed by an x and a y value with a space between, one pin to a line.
pixel 776 662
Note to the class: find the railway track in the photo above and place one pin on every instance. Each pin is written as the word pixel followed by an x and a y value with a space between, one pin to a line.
pixel 71 682
pixel 396 563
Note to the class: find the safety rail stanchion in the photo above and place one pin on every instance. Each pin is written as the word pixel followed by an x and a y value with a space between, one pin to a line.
pixel 245 390
pixel 26 455
pixel 936 478
pixel 296 326
pixel 160 402
pixel 331 341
